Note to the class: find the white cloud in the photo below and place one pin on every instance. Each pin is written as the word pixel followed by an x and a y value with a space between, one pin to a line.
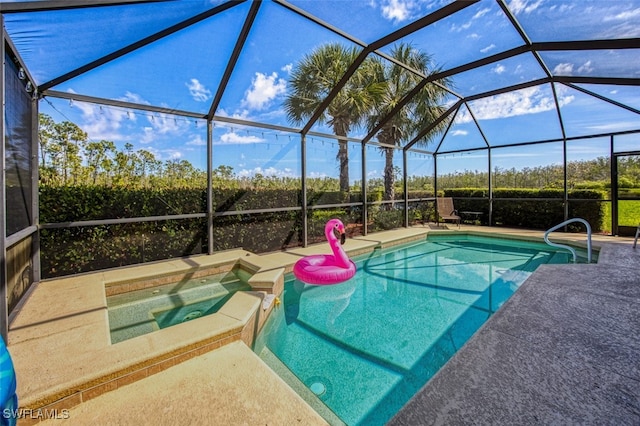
pixel 318 175
pixel 164 123
pixel 134 98
pixel 240 114
pixel 514 155
pixel 498 69
pixel 520 6
pixel 481 13
pixel 170 154
pixel 459 133
pixel 488 48
pixel 269 171
pixel 165 154
pixel 613 127
pixel 457 28
pixel 147 135
pixel 105 122
pixel 564 8
pixel 519 102
pixel 585 68
pixel 234 138
pixel 264 89
pixel 198 91
pixel 102 122
pixel 399 11
pixel 466 25
pixel 623 16
pixel 373 174
pixel 564 68
pixel 197 140
pixel 287 68
pixel 396 10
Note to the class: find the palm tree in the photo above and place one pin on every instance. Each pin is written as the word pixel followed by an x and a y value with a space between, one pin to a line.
pixel 421 111
pixel 313 79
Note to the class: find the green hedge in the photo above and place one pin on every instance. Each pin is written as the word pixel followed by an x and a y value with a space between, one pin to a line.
pixel 81 249
pixel 258 233
pixel 536 213
pixel 78 203
pixel 67 251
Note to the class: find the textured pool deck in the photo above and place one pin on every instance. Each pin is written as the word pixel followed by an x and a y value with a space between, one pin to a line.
pixel 565 348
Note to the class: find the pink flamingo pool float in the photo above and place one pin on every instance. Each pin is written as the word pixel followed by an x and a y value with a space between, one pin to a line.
pixel 326 269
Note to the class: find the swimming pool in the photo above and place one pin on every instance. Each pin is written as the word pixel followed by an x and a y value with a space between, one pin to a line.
pixel 147 310
pixel 358 351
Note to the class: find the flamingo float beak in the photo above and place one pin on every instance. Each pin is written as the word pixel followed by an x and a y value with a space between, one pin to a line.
pixel 340 228
pixel 343 235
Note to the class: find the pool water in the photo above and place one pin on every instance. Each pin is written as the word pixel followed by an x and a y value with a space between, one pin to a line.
pixel 359 350
pixel 144 311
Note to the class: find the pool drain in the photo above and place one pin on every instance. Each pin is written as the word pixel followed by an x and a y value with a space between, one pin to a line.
pixel 318 388
pixel 192 315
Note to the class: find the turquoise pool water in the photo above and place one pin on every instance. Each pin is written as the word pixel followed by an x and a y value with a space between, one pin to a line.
pixel 144 311
pixel 358 351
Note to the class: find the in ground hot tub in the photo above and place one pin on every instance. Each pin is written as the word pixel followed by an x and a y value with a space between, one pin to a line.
pixel 155 307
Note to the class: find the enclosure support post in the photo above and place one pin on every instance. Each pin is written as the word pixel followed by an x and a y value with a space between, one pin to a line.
pixel 210 209
pixel 613 160
pixel 36 270
pixel 405 188
pixel 4 314
pixel 565 201
pixel 490 183
pixel 435 189
pixel 365 212
pixel 303 194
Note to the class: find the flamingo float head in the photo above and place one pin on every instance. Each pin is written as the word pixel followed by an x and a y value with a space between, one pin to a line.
pixel 332 226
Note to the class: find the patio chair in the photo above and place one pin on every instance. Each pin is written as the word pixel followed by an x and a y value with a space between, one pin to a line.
pixel 446 210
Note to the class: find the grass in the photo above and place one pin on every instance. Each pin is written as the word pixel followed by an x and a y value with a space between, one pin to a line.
pixel 628 214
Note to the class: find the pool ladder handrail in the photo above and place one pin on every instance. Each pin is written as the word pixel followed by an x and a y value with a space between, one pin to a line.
pixel 571 249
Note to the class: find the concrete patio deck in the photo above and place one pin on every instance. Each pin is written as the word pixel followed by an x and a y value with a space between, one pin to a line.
pixel 60 343
pixel 68 369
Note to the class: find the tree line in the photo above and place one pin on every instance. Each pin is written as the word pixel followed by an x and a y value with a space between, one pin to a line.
pixel 68 157
pixel 583 174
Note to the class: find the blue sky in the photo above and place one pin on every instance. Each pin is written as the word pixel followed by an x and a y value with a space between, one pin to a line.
pixel 183 72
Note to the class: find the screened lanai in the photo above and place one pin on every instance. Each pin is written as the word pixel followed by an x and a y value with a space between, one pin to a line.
pixel 136 131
